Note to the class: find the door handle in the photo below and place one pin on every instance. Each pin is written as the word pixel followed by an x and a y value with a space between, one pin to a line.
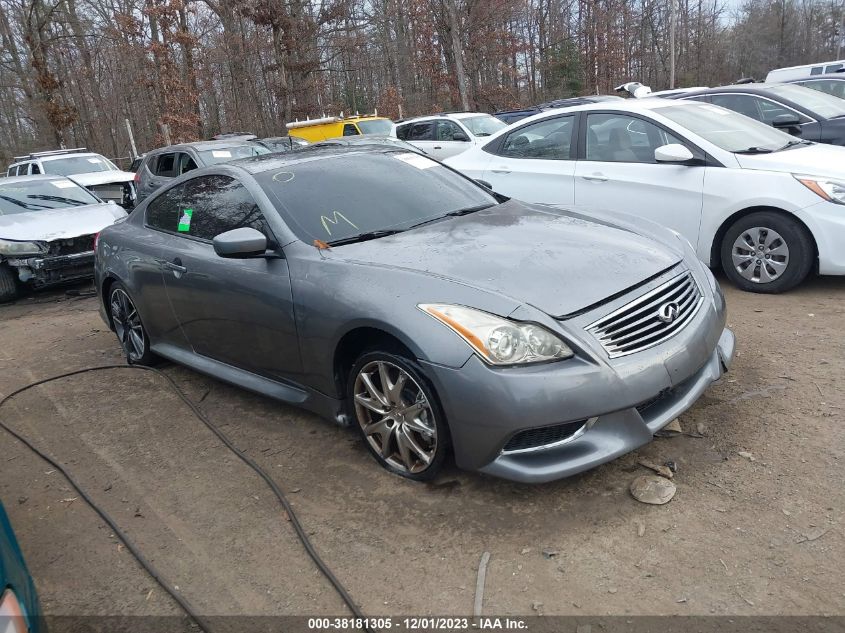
pixel 437 147
pixel 595 177
pixel 502 170
pixel 176 266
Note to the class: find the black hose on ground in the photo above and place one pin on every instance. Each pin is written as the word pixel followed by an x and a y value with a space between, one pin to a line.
pixel 183 602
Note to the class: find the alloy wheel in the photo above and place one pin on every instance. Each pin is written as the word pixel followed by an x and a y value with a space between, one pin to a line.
pixel 127 325
pixel 760 254
pixel 395 415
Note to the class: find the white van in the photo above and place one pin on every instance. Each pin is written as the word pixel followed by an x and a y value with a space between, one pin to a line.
pixel 799 72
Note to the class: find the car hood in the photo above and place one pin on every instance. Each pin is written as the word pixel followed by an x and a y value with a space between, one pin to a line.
pixel 103 177
pixel 557 261
pixel 812 160
pixel 57 224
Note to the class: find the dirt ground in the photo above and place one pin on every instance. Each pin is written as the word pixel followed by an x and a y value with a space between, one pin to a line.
pixel 742 536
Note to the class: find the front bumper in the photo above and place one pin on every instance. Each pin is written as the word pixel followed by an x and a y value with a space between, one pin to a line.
pixel 608 407
pixel 826 222
pixel 46 271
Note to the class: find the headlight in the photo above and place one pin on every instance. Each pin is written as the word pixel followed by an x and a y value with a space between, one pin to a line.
pixel 830 190
pixel 11 248
pixel 499 341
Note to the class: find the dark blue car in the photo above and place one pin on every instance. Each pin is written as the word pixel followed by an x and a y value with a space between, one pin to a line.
pixel 19 611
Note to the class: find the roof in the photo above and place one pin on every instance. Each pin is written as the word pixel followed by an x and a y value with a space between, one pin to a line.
pixel 268 162
pixel 445 115
pixel 49 157
pixel 14 179
pixel 201 146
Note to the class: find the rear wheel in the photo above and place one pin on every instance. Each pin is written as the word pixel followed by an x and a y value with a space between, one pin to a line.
pixel 766 252
pixel 398 415
pixel 9 290
pixel 128 327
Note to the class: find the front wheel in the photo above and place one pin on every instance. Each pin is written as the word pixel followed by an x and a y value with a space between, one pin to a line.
pixel 9 289
pixel 128 327
pixel 766 252
pixel 398 415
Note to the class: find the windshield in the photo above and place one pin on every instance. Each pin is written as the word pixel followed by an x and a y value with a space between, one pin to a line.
pixel 232 152
pixel 822 104
pixel 77 165
pixel 40 195
pixel 725 128
pixel 375 126
pixel 346 195
pixel 483 125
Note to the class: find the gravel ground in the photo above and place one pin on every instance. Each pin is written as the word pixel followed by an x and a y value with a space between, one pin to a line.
pixel 756 526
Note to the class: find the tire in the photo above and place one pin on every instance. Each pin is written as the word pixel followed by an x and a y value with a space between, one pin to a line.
pixel 9 290
pixel 127 325
pixel 402 425
pixel 767 252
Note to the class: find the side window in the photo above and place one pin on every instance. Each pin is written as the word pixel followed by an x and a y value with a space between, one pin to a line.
pixel 817 70
pixel 186 163
pixel 165 165
pixel 163 212
pixel 35 169
pixel 446 130
pixel 744 104
pixel 549 139
pixel 402 131
pixel 216 204
pixel 624 139
pixel 422 131
pixel 770 110
pixel 349 129
pixel 833 68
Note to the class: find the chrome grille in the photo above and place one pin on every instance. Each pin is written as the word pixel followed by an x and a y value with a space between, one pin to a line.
pixel 640 324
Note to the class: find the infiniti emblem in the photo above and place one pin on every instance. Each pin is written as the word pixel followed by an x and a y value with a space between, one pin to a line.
pixel 668 312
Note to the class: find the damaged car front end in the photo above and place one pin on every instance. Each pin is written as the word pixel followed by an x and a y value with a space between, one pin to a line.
pixel 48 227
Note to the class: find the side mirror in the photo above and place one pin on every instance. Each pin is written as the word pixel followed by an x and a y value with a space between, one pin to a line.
pixel 673 153
pixel 788 122
pixel 484 184
pixel 241 242
pixel 460 136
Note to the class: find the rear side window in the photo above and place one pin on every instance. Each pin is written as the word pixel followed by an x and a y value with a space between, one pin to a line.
pixel 402 131
pixel 349 129
pixel 216 204
pixel 163 212
pixel 35 168
pixel 422 131
pixel 165 165
pixel 550 139
pixel 816 71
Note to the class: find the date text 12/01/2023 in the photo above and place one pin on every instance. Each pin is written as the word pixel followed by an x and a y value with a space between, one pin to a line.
pixel 425 623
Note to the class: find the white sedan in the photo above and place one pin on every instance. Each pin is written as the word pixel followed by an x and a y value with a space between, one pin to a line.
pixel 766 207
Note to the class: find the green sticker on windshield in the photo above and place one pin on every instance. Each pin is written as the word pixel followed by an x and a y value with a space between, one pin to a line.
pixel 185 221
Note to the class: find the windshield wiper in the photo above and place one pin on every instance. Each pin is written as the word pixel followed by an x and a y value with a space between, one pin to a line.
pixel 21 203
pixel 363 237
pixel 468 210
pixel 754 150
pixel 70 201
pixel 794 143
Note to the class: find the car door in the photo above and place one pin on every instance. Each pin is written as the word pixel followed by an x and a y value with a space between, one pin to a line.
pixel 450 139
pixel 535 162
pixel 156 172
pixel 421 134
pixel 616 171
pixel 238 311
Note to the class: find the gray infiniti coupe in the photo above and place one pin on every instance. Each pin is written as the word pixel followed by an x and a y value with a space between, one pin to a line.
pixel 379 288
